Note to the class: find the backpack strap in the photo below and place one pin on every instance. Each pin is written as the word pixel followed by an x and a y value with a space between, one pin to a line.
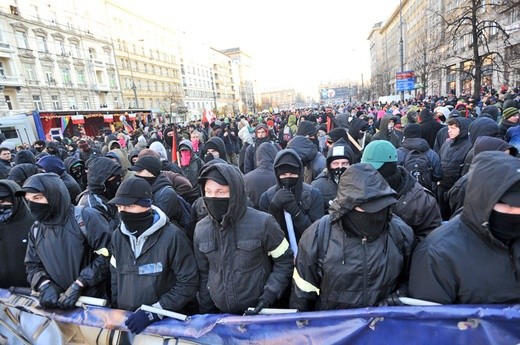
pixel 79 219
pixel 324 227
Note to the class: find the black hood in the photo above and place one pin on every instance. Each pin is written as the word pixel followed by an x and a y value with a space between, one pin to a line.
pixel 20 209
pixel 160 182
pixel 21 172
pixel 416 144
pixel 24 156
pixel 356 126
pixel 490 111
pixel 70 162
pixel 304 147
pixel 237 197
pixel 482 127
pixel 492 173
pixel 425 115
pixel 289 156
pixel 98 171
pixel 53 188
pixel 359 184
pixel 216 143
pixel 133 153
pixel 342 120
pixel 265 155
pixel 464 128
pixel 383 126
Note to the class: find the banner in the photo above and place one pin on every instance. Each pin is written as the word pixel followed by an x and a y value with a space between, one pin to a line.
pixel 64 122
pixel 78 119
pixel 448 324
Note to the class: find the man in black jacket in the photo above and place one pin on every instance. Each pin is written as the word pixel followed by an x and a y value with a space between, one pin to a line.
pixel 15 221
pixel 475 257
pixel 152 261
pixel 242 255
pixel 364 259
pixel 63 253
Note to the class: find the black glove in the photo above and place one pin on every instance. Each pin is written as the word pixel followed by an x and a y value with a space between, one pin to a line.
pixel 261 305
pixel 68 298
pixel 391 300
pixel 49 294
pixel 284 199
pixel 141 319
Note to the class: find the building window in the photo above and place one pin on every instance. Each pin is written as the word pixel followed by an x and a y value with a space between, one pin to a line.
pixel 8 102
pixel 49 75
pixel 37 101
pixel 21 39
pixel 81 77
pixel 56 104
pixel 60 48
pixel 86 102
pixel 41 43
pixel 65 74
pixel 92 53
pixel 30 71
pixel 72 103
pixel 2 70
pixel 76 52
pixel 112 80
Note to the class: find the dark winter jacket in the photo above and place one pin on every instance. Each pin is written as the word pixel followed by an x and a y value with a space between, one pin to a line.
pixel 218 144
pixel 243 259
pixel 72 161
pixel 462 262
pixel 166 199
pixel 231 140
pixel 415 205
pixel 24 156
pixel 21 172
pixel 308 198
pixel 357 271
pixel 192 170
pixel 429 127
pixel 60 250
pixel 421 145
pixel 14 231
pixel 504 126
pixel 157 267
pixel 313 161
pixel 263 177
pixel 385 134
pixel 453 153
pixel 99 170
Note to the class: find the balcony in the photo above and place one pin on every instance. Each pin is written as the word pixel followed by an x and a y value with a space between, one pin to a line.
pixel 6 47
pixel 97 63
pixel 100 87
pixel 10 81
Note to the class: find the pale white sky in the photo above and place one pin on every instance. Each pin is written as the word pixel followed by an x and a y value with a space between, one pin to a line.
pixel 294 43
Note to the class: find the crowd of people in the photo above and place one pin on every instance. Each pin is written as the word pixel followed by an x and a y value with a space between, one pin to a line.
pixel 340 206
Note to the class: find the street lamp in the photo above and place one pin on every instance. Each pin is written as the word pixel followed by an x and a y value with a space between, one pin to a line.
pixel 136 101
pixel 401 45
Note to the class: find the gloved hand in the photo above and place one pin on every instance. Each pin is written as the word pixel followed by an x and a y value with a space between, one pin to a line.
pixel 68 298
pixel 284 199
pixel 391 300
pixel 141 319
pixel 261 305
pixel 49 294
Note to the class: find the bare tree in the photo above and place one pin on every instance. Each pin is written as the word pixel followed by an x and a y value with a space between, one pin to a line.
pixel 477 24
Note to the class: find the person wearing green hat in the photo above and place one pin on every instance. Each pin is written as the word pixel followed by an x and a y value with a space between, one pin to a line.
pixel 509 119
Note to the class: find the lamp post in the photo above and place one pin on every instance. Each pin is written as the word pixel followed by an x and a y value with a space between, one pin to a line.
pixel 401 46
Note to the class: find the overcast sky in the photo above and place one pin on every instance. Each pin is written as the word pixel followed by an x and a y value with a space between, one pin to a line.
pixel 294 43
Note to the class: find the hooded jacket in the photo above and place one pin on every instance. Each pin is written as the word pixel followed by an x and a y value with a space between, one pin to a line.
pixel 357 271
pixel 24 156
pixel 244 258
pixel 429 127
pixel 69 163
pixel 385 134
pixel 313 161
pixel 308 198
pixel 191 171
pixel 99 170
pixel 453 153
pixel 461 262
pixel 250 154
pixel 218 143
pixel 263 177
pixel 59 250
pixel 325 182
pixel 157 268
pixel 21 172
pixel 14 232
pixel 122 159
pixel 167 200
pixel 481 127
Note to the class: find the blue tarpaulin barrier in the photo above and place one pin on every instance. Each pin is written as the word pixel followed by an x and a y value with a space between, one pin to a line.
pixel 447 324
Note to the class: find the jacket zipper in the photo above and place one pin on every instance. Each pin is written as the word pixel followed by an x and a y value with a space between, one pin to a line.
pixel 364 242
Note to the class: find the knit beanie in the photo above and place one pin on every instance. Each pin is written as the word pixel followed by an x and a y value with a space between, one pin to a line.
pixel 412 130
pixel 510 112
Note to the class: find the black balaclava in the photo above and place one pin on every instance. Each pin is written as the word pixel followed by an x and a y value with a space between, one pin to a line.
pixel 137 223
pixel 288 182
pixel 217 207
pixel 41 212
pixel 111 186
pixel 506 226
pixel 366 224
pixel 149 179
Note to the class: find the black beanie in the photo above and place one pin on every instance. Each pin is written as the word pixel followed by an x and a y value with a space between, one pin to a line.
pixel 216 175
pixel 412 130
pixel 306 128
pixel 287 168
pixel 337 133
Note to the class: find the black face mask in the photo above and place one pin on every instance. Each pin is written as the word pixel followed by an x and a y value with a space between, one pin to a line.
pixel 217 207
pixel 316 142
pixel 289 182
pixel 6 212
pixel 366 224
pixel 40 212
pixel 137 223
pixel 505 226
pixel 336 173
pixel 149 179
pixel 112 186
pixel 77 172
